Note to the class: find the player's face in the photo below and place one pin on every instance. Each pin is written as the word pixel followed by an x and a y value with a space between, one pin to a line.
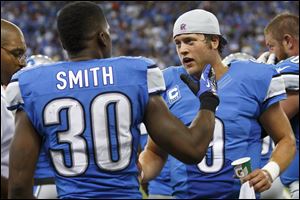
pixel 12 56
pixel 193 52
pixel 275 47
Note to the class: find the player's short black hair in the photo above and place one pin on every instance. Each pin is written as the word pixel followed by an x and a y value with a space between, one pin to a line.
pixel 77 23
pixel 222 43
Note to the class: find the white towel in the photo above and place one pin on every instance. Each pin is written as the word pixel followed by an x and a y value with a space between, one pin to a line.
pixel 247 192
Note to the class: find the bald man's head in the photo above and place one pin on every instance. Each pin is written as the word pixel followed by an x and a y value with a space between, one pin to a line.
pixel 7 29
pixel 13 48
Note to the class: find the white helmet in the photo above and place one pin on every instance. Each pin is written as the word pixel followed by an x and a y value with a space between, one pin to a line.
pixel 237 56
pixel 35 60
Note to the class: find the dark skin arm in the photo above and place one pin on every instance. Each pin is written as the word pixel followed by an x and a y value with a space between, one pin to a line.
pixel 4 184
pixel 170 133
pixel 24 154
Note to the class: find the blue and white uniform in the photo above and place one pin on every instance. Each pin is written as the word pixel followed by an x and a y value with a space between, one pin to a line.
pixel 246 90
pixel 89 113
pixel 289 70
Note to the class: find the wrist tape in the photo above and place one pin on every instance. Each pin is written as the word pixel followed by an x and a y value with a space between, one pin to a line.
pixel 209 101
pixel 273 169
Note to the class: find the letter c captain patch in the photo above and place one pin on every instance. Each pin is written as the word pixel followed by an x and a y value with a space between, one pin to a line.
pixel 173 94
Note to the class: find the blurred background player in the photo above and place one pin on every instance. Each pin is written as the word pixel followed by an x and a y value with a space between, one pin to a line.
pixel 13 57
pixel 248 96
pixel 89 109
pixel 282 40
pixel 44 175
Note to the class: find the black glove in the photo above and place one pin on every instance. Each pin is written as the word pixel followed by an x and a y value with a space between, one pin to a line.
pixel 205 89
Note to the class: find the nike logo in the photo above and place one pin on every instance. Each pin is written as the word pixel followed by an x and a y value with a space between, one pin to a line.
pixel 207 84
pixel 202 77
pixel 282 68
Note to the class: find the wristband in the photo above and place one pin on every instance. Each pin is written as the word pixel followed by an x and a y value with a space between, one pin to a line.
pixel 209 101
pixel 273 169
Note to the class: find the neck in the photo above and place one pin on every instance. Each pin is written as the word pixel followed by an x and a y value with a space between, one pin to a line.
pixel 86 54
pixel 220 68
pixel 294 51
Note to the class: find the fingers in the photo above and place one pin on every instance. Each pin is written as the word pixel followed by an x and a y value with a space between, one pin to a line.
pixel 259 180
pixel 271 58
pixel 263 57
pixel 190 83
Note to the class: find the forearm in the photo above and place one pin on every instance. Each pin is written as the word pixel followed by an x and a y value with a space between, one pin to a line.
pixel 170 133
pixel 284 152
pixel 151 164
pixel 283 136
pixel 205 121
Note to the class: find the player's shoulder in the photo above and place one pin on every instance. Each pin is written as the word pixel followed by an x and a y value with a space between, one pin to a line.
pixel 254 70
pixel 173 69
pixel 32 70
pixel 289 65
pixel 172 73
pixel 138 60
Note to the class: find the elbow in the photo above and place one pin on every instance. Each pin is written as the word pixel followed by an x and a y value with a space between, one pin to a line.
pixel 17 192
pixel 194 158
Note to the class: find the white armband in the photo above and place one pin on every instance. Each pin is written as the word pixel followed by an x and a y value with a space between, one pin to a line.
pixel 273 169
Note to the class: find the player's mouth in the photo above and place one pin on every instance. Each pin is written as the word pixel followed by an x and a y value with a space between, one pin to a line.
pixel 187 61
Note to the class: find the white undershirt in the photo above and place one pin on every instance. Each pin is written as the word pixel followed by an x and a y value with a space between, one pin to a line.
pixel 7 131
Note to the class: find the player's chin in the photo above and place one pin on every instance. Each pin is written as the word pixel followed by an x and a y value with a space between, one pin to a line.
pixel 192 70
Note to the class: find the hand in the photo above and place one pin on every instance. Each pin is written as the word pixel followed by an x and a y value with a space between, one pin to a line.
pixel 259 179
pixel 205 89
pixel 141 173
pixel 267 57
pixel 207 82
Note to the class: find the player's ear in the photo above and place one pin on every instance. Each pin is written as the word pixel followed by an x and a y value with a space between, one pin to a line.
pixel 100 38
pixel 215 41
pixel 103 39
pixel 287 41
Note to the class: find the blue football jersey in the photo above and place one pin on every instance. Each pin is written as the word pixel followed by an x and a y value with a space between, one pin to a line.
pixel 44 172
pixel 245 92
pixel 289 70
pixel 89 114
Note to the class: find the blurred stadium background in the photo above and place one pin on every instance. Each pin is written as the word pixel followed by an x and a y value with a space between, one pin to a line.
pixel 144 28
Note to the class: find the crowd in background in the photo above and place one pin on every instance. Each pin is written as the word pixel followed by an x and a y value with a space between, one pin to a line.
pixel 144 28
